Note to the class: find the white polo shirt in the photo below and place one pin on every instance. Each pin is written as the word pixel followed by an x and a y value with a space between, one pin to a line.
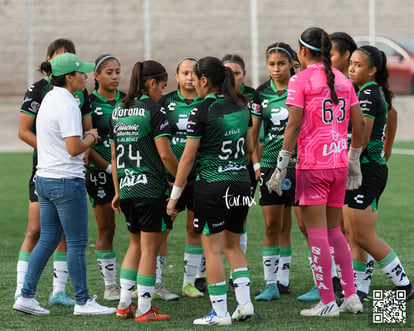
pixel 59 117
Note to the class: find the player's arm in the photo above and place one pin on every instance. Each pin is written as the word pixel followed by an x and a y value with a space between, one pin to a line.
pixel 25 132
pixel 390 132
pixel 116 199
pixel 168 158
pixel 292 128
pixel 358 127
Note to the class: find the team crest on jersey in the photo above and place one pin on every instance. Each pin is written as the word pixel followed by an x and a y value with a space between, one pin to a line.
pixel 34 107
pixel 101 193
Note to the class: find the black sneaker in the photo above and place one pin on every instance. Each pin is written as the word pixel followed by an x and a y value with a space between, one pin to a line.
pixel 283 289
pixel 230 286
pixel 201 284
pixel 409 290
pixel 338 292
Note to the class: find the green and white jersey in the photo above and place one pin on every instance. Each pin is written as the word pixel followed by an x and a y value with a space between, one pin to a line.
pixel 101 114
pixel 37 91
pixel 178 110
pixel 140 170
pixel 222 129
pixel 269 104
pixel 373 104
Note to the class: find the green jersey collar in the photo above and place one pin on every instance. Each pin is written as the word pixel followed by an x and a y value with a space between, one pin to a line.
pixel 373 82
pixel 95 92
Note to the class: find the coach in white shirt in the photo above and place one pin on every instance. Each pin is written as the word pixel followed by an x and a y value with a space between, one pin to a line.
pixel 60 185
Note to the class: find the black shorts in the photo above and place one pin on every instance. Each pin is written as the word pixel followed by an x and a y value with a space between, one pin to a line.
pixel 220 206
pixel 146 214
pixel 267 199
pixel 253 181
pixel 186 199
pixel 100 186
pixel 32 181
pixel 374 179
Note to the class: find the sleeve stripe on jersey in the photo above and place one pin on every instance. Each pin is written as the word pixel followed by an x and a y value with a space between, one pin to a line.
pixel 367 115
pixel 26 112
pixel 194 137
pixel 164 134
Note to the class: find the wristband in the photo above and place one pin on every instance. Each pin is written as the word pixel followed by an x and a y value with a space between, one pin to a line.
pixel 108 169
pixel 175 192
pixel 256 166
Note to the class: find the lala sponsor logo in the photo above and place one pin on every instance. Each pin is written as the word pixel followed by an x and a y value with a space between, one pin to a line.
pixel 237 200
pixel 132 179
pixel 336 146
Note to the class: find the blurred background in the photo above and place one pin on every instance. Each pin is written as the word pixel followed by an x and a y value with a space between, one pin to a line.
pixel 167 30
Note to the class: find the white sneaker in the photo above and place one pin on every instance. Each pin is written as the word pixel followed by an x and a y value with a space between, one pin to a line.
pixel 243 312
pixel 329 310
pixel 29 306
pixel 91 307
pixel 351 304
pixel 212 319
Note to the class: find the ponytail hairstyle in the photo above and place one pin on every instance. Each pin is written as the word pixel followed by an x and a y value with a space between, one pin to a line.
pixel 100 61
pixel 284 49
pixel 142 72
pixel 220 77
pixel 234 58
pixel 378 59
pixel 319 45
pixel 343 42
pixel 56 45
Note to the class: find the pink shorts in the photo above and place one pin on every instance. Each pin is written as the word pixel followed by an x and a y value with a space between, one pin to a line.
pixel 321 186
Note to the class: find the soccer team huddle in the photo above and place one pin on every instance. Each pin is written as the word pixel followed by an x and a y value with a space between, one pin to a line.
pixel 315 137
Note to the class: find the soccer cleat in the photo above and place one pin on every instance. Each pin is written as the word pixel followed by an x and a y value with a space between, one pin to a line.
pixel 338 292
pixel 320 309
pixel 270 292
pixel 150 315
pixel 29 306
pixel 243 312
pixel 201 284
pixel 311 295
pixel 112 292
pixel 191 291
pixel 283 289
pixel 363 297
pixel 409 291
pixel 212 319
pixel 91 307
pixel 160 292
pixel 351 304
pixel 124 311
pixel 61 298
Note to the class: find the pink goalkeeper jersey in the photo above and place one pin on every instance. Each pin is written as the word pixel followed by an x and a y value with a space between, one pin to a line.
pixel 322 142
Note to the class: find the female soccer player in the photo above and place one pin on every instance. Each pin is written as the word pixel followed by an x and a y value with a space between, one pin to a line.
pixel 218 134
pixel 27 132
pixel 321 101
pixel 99 172
pixel 139 136
pixel 369 73
pixel 236 63
pixel 178 105
pixel 269 106
pixel 60 186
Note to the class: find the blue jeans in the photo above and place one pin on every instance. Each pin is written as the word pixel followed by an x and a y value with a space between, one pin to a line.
pixel 63 209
